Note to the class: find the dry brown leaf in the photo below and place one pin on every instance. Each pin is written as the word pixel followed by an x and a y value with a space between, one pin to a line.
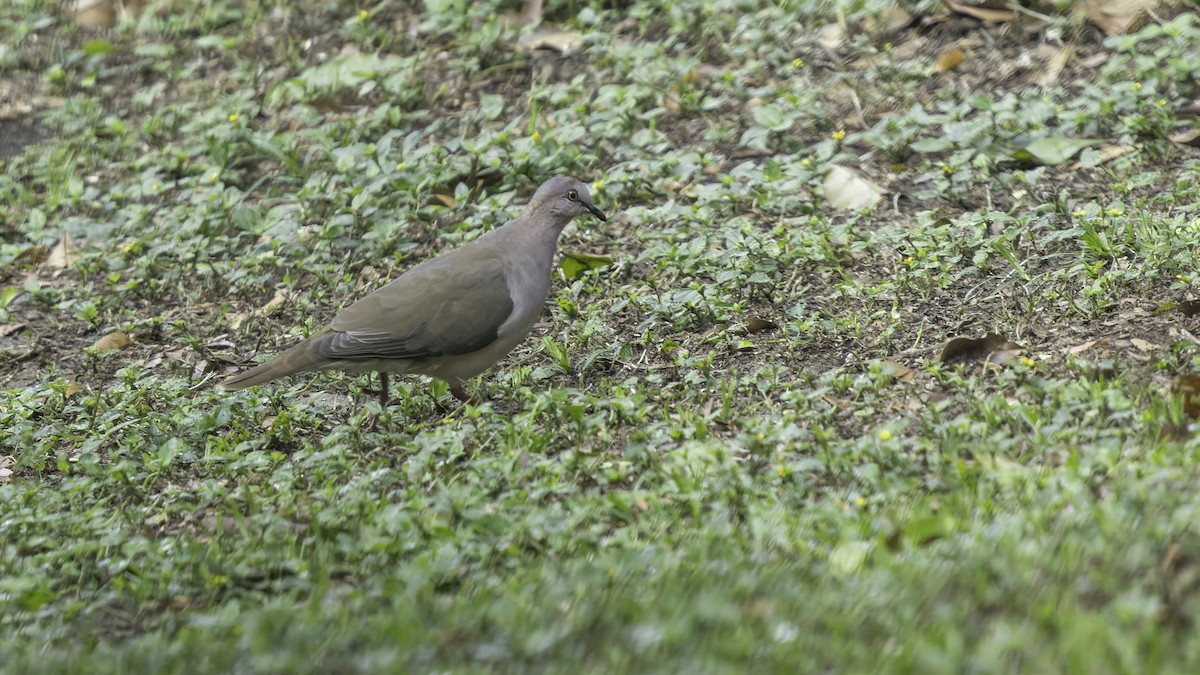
pixel 989 10
pixel 550 38
pixel 1118 17
pixel 114 340
pixel 1079 349
pixel 236 319
pixel 897 370
pixel 199 370
pixel 64 254
pixel 281 297
pixel 964 348
pixel 1054 66
pixel 847 191
pixel 1189 307
pixel 758 324
pixel 950 59
pixel 73 388
pixel 1143 345
pixel 10 328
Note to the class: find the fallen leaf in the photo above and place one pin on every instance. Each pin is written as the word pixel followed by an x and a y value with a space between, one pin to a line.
pixel 114 340
pixel 64 254
pixel 550 38
pixel 282 295
pixel 1054 66
pixel 73 388
pixel 847 191
pixel 1189 307
pixel 1143 345
pixel 5 473
pixel 1118 17
pixel 897 370
pixel 1079 349
pixel 200 370
pixel 574 264
pixel 989 10
pixel 950 59
pixel 10 328
pixel 964 348
pixel 757 325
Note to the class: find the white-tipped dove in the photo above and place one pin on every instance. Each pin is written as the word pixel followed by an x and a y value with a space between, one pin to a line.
pixel 450 317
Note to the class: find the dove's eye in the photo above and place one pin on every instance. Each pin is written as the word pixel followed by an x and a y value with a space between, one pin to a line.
pixel 573 195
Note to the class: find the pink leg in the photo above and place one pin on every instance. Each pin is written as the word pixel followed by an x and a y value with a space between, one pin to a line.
pixel 462 395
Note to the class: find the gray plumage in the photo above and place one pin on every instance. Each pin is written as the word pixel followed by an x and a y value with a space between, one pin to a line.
pixel 450 317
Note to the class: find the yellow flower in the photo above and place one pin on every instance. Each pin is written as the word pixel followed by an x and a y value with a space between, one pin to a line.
pixel 1162 101
pixel 535 135
pixel 1027 362
pixel 783 471
pixel 598 185
pixel 839 134
pixel 234 117
pixel 885 435
pixel 212 177
pixel 362 15
pixel 1116 212
pixel 401 166
pixel 860 502
pixel 797 63
pixel 1137 86
pixel 156 187
pixel 947 169
pixel 759 436
pixel 1077 213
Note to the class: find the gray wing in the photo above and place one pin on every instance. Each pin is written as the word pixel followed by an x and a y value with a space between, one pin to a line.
pixel 432 310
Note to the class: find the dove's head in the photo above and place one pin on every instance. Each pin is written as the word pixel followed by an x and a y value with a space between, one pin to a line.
pixel 564 197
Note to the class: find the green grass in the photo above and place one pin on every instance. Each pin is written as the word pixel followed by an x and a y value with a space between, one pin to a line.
pixel 657 480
